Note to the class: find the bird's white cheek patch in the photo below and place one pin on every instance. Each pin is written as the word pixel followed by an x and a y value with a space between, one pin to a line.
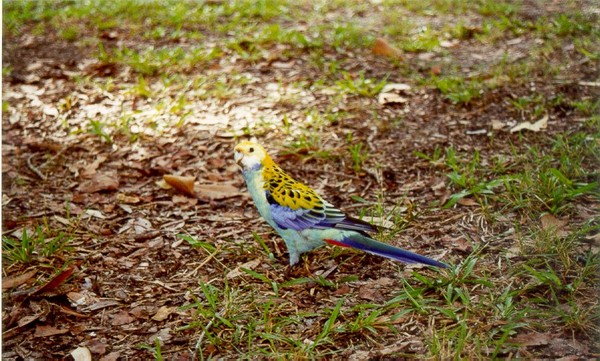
pixel 237 156
pixel 249 163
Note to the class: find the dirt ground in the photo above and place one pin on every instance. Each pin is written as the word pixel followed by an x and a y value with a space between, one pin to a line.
pixel 125 275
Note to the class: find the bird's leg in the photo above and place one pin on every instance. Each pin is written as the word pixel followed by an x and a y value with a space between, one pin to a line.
pixel 296 269
pixel 288 270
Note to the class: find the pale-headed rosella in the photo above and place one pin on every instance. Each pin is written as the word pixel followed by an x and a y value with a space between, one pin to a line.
pixel 303 218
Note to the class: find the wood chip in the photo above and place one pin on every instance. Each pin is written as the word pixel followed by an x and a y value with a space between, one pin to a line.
pixel 45 331
pixel 15 281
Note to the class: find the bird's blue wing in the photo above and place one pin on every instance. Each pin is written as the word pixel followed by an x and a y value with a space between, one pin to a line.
pixel 321 217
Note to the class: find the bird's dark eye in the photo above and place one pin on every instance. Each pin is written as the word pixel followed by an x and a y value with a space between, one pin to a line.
pixel 251 150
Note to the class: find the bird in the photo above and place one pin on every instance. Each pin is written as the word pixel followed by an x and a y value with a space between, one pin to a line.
pixel 302 217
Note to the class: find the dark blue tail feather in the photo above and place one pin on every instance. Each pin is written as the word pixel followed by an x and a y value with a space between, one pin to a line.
pixel 385 250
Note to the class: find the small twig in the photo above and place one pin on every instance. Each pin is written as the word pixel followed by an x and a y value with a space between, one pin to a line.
pixel 34 169
pixel 328 272
pixel 53 158
pixel 199 342
pixel 157 282
pixel 451 219
pixel 210 256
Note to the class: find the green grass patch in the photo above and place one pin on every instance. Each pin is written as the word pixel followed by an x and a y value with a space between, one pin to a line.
pixel 31 246
pixel 542 179
pixel 360 85
pixel 457 89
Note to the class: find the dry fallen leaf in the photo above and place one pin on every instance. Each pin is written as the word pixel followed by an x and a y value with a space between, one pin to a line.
pixel 550 222
pixel 469 202
pixel 384 282
pixel 535 127
pixel 391 98
pixel 439 188
pixel 113 356
pixel 497 124
pixel 361 355
pixel 513 251
pixel 91 168
pixel 163 313
pixel 436 69
pixel 396 87
pixel 533 339
pixel 103 303
pixel 182 184
pixel 367 292
pixel 462 244
pixel 140 311
pixel 248 265
pixel 82 298
pixel 56 281
pixel 124 198
pixel 93 213
pixel 182 201
pixel 14 281
pixel 96 346
pixel 140 226
pixel 343 290
pixel 217 191
pixel 100 182
pixel 122 318
pixel 67 311
pixel 23 321
pixel 45 331
pixel 383 48
pixel 390 93
pixel 163 336
pixel 553 224
pixel 81 354
pixel 449 43
pixel 162 184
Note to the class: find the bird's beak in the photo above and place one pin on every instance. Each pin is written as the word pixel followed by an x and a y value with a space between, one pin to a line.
pixel 238 156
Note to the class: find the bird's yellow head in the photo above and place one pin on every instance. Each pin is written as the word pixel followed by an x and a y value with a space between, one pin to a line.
pixel 249 155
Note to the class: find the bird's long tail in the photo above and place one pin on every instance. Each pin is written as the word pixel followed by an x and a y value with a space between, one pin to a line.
pixel 369 245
